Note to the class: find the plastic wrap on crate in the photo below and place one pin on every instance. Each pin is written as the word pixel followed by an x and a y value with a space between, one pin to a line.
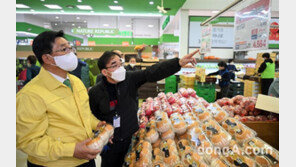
pixel 263 153
pixel 101 137
pixel 163 123
pixel 169 134
pixel 237 157
pixel 151 132
pixel 192 158
pixel 238 130
pixel 218 112
pixel 198 139
pixel 170 152
pixel 178 123
pixel 156 104
pixel 183 145
pixel 216 134
pixel 183 92
pixel 221 162
pixel 176 108
pixel 130 159
pixel 171 98
pixel 201 112
pixel 191 120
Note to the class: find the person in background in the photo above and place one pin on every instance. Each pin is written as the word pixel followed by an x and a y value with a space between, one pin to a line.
pixel 53 118
pixel 32 69
pixel 224 78
pixel 82 72
pixel 113 99
pixel 131 64
pixel 100 76
pixel 231 68
pixel 274 88
pixel 267 72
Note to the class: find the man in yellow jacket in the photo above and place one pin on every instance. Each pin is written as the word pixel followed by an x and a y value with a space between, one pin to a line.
pixel 53 118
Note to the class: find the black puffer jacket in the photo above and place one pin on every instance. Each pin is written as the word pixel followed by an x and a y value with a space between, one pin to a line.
pixel 126 96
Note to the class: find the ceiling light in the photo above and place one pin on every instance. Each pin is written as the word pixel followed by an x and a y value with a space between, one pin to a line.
pixel 106 25
pixel 91 11
pixel 215 11
pixel 121 12
pixel 84 21
pixel 21 6
pixel 79 0
pixel 56 24
pixel 128 25
pixel 84 7
pixel 62 11
pixel 32 10
pixel 70 6
pixel 115 1
pixel 77 18
pixel 150 26
pixel 151 2
pixel 73 24
pixel 116 7
pixel 79 27
pixel 52 6
pixel 57 17
pixel 42 0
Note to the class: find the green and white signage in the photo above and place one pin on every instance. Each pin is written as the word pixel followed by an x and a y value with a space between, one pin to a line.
pixel 95 31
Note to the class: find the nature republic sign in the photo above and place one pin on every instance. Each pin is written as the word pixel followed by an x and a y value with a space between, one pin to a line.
pixel 95 31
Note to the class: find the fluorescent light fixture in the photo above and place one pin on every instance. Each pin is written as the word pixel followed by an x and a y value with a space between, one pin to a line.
pixel 91 11
pixel 150 25
pixel 151 2
pixel 52 6
pixel 84 7
pixel 84 21
pixel 115 1
pixel 128 25
pixel 77 18
pixel 21 6
pixel 91 14
pixel 116 7
pixel 106 25
pixel 73 24
pixel 55 24
pixel 62 11
pixel 57 17
pixel 215 11
pixel 79 0
pixel 32 10
pixel 42 0
pixel 79 27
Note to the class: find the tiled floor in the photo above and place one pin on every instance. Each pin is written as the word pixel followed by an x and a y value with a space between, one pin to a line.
pixel 21 159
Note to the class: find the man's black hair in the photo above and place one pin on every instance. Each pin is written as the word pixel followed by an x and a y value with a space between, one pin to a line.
pixel 43 43
pixel 105 58
pixel 230 60
pixel 31 59
pixel 222 64
pixel 266 55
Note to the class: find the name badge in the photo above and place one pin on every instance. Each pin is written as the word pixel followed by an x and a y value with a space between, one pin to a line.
pixel 116 121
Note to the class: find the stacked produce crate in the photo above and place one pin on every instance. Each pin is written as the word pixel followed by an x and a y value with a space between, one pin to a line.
pixel 251 88
pixel 206 90
pixel 235 88
pixel 187 81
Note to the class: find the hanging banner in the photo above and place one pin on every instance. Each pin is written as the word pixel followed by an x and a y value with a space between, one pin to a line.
pixel 206 39
pixel 274 33
pixel 251 27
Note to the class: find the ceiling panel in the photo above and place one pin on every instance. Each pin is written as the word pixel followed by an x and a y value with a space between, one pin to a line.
pixel 102 6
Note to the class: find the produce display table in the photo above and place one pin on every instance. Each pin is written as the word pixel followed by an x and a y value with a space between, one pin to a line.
pixel 267 131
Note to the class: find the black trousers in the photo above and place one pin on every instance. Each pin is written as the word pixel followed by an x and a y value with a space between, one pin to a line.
pixel 91 163
pixel 265 84
pixel 114 156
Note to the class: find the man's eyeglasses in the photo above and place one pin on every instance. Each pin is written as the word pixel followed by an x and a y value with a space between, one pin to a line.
pixel 116 65
pixel 70 49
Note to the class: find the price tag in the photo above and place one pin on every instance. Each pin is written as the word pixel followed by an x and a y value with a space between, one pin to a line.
pixel 116 121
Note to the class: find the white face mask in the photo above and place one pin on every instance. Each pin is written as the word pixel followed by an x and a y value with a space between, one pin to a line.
pixel 67 62
pixel 132 65
pixel 119 74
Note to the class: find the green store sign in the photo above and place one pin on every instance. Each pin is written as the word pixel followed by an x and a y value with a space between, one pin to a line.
pixel 95 31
